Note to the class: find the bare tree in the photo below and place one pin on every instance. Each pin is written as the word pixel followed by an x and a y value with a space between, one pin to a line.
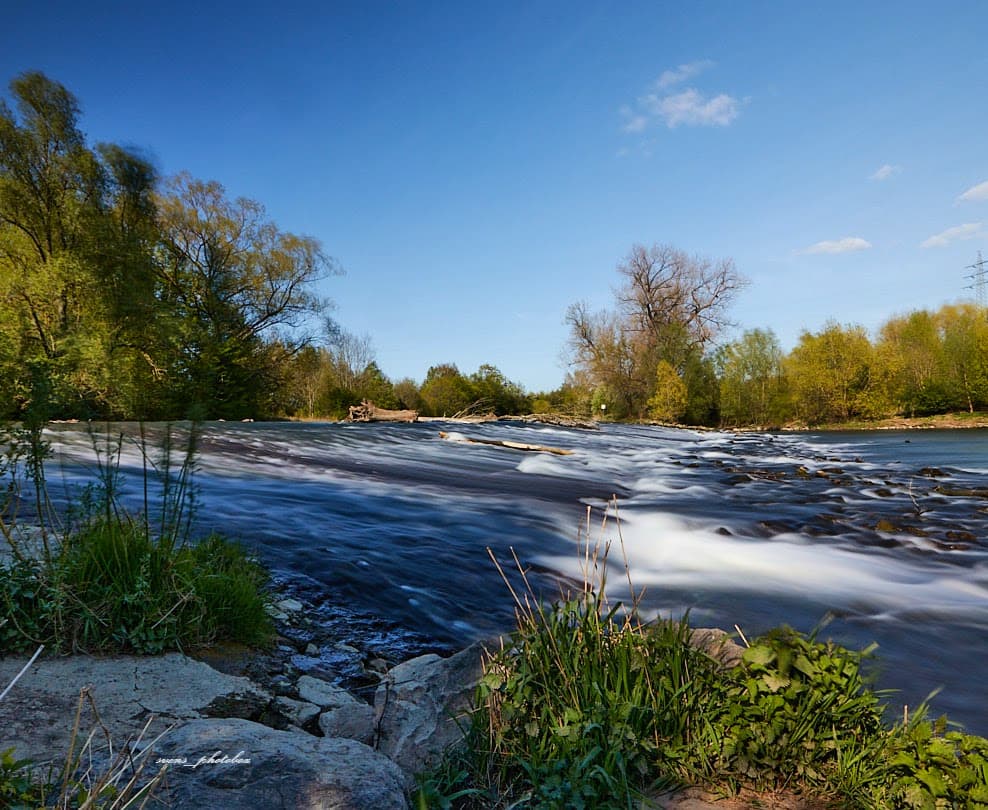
pixel 349 356
pixel 670 307
pixel 664 287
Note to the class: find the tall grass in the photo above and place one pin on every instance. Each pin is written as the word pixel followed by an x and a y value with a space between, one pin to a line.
pixel 117 582
pixel 585 705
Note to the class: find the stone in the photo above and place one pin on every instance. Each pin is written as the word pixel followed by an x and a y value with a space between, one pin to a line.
pixel 290 605
pixel 299 712
pixel 718 645
pixel 322 693
pixel 36 716
pixel 231 764
pixel 354 721
pixel 423 707
pixel 311 650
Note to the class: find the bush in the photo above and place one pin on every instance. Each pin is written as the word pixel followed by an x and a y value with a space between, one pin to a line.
pixel 111 587
pixel 585 706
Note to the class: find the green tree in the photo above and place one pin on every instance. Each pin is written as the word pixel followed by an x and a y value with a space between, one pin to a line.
pixel 504 397
pixel 829 373
pixel 964 330
pixel 751 379
pixel 75 227
pixel 668 403
pixel 445 391
pixel 912 348
pixel 231 277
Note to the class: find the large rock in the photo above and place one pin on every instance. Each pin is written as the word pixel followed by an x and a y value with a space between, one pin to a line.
pixel 422 707
pixel 355 721
pixel 36 716
pixel 323 694
pixel 231 764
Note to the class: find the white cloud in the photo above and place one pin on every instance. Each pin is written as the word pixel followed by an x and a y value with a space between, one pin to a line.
pixel 885 172
pixel 688 107
pixel 692 108
pixel 847 244
pixel 975 193
pixel 967 231
pixel 682 73
pixel 633 122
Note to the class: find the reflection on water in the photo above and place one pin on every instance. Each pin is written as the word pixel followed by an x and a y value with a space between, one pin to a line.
pixel 884 531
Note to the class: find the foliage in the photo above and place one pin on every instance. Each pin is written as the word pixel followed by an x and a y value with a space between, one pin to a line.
pixel 670 308
pixel 119 583
pixel 668 403
pixel 752 383
pixel 586 706
pixel 131 300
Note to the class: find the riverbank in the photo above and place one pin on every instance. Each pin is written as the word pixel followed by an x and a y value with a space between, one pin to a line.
pixel 945 421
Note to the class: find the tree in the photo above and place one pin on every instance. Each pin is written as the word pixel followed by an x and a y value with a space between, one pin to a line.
pixel 445 391
pixel 668 403
pixel 231 277
pixel 75 228
pixel 829 373
pixel 670 307
pixel 751 379
pixel 912 348
pixel 504 397
pixel 964 330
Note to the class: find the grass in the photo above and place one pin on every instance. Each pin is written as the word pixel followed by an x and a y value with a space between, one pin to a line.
pixel 114 583
pixel 587 706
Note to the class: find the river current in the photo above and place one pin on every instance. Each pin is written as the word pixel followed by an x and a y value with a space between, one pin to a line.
pixel 884 534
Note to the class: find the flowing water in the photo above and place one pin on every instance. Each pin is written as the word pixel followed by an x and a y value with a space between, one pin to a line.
pixel 885 532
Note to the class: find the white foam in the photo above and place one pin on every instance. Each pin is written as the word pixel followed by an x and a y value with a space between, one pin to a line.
pixel 665 551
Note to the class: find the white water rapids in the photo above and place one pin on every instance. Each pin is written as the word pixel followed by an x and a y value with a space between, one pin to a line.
pixel 884 531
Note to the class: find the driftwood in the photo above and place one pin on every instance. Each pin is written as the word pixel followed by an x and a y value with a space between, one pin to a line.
pixel 369 412
pixel 553 419
pixel 535 448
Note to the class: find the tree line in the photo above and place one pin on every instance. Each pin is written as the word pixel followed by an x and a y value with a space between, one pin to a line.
pixel 127 295
pixel 655 356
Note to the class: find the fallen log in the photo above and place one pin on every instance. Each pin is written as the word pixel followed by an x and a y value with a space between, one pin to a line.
pixel 534 448
pixel 553 419
pixel 367 411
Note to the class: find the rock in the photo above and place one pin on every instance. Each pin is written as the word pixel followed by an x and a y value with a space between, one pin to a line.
pixel 36 716
pixel 423 707
pixel 257 767
pixel 718 645
pixel 354 721
pixel 290 605
pixel 299 712
pixel 322 693
pixel 311 650
pixel 274 613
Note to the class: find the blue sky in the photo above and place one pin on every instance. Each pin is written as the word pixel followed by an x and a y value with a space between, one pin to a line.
pixel 477 167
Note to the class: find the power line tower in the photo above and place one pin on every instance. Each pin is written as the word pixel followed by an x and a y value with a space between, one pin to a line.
pixel 979 276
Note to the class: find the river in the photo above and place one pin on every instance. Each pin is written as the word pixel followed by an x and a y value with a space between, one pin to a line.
pixel 881 533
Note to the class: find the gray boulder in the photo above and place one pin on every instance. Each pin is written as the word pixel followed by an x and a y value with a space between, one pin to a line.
pixel 323 694
pixel 423 707
pixel 355 721
pixel 230 764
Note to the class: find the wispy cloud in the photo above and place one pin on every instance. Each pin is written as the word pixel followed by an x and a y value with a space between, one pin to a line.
pixel 692 108
pixel 670 78
pixel 885 172
pixel 847 244
pixel 967 231
pixel 975 193
pixel 686 107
